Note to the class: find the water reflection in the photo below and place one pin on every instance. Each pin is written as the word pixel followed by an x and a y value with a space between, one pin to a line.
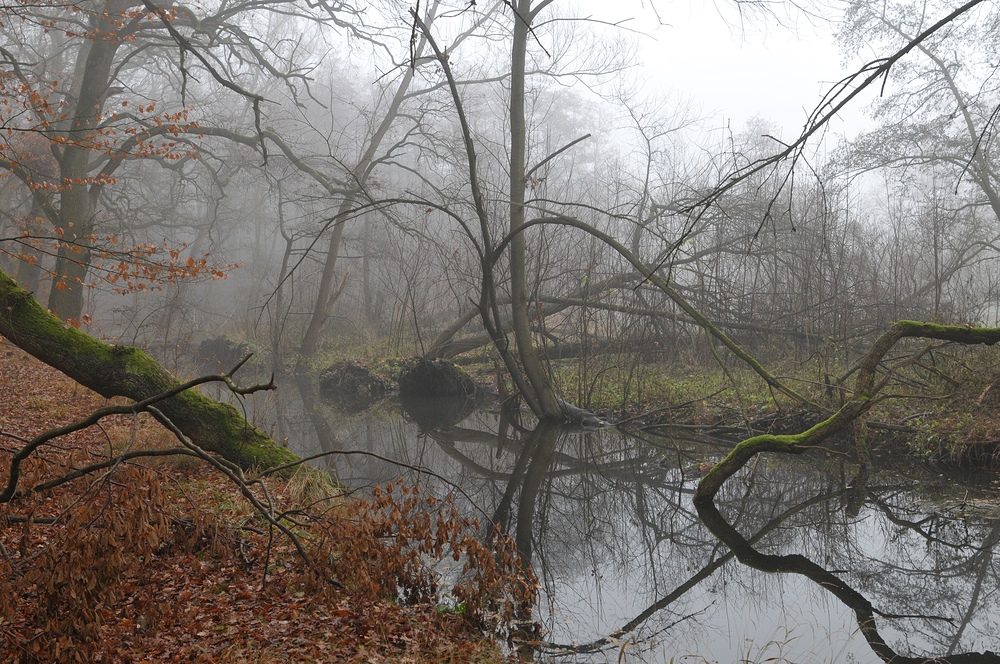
pixel 866 613
pixel 799 560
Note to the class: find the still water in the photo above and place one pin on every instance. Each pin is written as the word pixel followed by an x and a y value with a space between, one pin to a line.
pixel 800 560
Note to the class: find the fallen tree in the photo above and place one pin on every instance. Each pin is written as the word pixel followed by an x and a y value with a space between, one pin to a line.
pixel 866 394
pixel 124 371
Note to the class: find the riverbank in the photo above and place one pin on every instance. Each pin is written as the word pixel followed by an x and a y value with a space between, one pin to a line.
pixel 939 403
pixel 162 559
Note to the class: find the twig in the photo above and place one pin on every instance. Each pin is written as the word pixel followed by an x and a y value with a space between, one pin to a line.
pixel 419 469
pixel 235 475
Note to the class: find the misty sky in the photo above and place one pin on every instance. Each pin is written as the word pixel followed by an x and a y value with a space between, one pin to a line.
pixel 734 68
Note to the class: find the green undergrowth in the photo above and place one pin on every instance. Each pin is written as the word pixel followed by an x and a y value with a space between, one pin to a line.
pixel 940 402
pixel 950 404
pixel 690 393
pixel 375 355
pixel 619 386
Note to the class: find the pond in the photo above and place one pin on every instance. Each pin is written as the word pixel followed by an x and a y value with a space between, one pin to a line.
pixel 800 559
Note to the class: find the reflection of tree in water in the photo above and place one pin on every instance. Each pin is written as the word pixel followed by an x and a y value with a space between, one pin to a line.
pixel 950 569
pixel 584 504
pixel 868 616
pixel 592 517
pixel 590 504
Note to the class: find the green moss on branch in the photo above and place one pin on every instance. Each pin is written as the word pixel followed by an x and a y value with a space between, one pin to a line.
pixel 129 372
pixel 785 443
pixel 867 387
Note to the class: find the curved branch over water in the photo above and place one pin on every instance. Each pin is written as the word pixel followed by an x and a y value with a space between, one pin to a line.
pixel 867 388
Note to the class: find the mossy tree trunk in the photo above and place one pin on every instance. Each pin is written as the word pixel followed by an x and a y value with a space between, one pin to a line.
pixel 866 391
pixel 129 372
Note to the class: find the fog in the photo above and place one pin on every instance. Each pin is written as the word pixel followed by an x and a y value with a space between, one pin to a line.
pixel 304 179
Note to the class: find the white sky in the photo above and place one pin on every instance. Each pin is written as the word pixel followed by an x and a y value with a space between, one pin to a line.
pixel 731 72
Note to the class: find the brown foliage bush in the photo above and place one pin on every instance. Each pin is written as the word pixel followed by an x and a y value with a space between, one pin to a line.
pixel 86 573
pixel 394 545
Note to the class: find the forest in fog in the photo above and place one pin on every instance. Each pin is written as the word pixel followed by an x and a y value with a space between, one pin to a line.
pixel 324 190
pixel 293 174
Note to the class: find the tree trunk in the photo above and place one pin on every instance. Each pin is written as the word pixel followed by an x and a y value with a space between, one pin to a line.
pixel 122 371
pixel 372 314
pixel 77 201
pixel 326 296
pixel 543 402
pixel 29 272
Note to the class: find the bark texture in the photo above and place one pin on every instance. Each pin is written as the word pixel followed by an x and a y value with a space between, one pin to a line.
pixel 129 372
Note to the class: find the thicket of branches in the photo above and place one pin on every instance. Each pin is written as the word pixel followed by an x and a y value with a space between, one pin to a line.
pixel 341 189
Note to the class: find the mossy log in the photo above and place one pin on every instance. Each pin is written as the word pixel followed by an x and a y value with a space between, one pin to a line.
pixel 129 372
pixel 866 389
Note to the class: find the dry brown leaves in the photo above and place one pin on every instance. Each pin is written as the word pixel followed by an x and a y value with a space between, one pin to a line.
pixel 165 562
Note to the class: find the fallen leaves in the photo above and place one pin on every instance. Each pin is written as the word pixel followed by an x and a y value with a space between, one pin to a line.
pixel 165 562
